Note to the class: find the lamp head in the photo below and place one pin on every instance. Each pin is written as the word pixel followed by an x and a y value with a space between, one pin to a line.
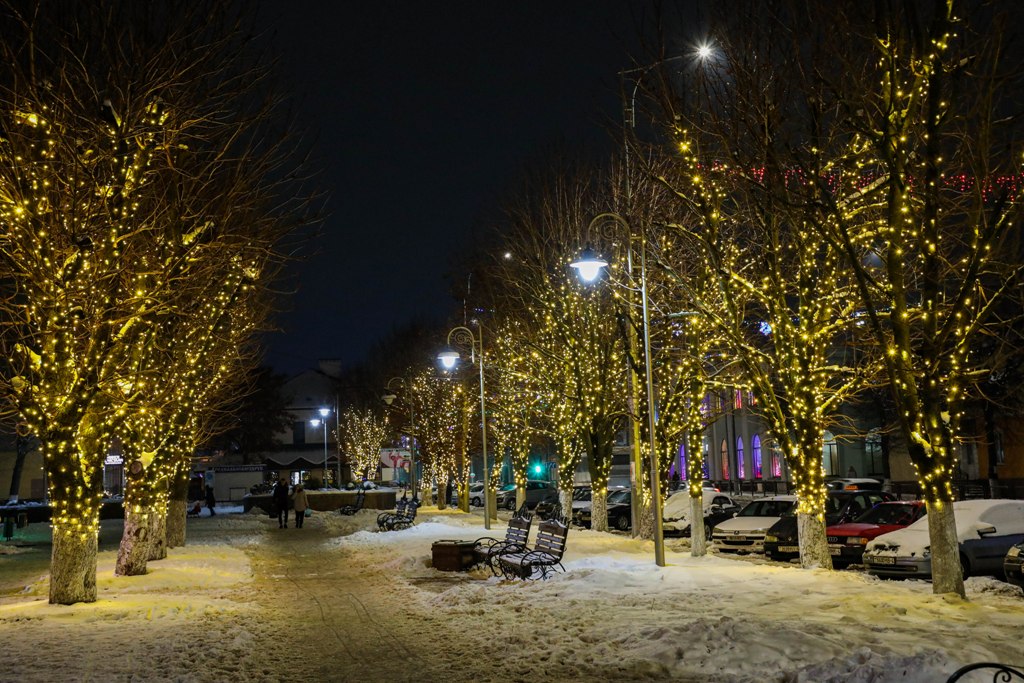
pixel 324 412
pixel 588 266
pixel 315 422
pixel 449 357
pixel 388 398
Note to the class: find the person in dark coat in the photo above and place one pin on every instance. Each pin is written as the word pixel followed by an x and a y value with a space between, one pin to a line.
pixel 211 500
pixel 281 503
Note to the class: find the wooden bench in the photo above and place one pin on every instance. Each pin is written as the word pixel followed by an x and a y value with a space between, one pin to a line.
pixel 517 536
pixel 385 517
pixel 353 509
pixel 543 559
pixel 400 519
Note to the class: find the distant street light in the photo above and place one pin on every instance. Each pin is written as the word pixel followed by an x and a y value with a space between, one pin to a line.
pixel 589 266
pixel 449 357
pixel 389 399
pixel 316 422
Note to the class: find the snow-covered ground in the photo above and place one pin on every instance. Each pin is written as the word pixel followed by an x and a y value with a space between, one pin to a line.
pixel 613 615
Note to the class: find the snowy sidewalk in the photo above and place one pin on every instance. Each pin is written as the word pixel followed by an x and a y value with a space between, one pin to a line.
pixel 338 601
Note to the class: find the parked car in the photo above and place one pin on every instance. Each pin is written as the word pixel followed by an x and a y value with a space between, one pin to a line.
pixel 536 492
pixel 676 512
pixel 620 511
pixel 1013 565
pixel 782 540
pixel 846 541
pixel 985 529
pixel 745 532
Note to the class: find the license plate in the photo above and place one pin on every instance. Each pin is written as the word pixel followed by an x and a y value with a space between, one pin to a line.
pixel 835 550
pixel 789 548
pixel 883 559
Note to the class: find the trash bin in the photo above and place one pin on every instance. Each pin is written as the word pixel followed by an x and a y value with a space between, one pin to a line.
pixel 22 520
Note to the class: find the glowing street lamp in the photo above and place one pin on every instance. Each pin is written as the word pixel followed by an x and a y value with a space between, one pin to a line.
pixel 589 266
pixel 316 422
pixel 449 357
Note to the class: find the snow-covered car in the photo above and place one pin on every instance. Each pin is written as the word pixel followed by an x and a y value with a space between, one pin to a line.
pixel 745 532
pixel 985 529
pixel 1013 565
pixel 676 512
pixel 846 541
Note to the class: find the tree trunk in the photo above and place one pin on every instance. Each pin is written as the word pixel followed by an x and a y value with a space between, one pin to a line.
pixel 134 550
pixel 464 496
pixel 177 507
pixel 72 564
pixel 947 574
pixel 520 496
pixel 814 550
pixel 598 510
pixel 158 532
pixel 645 515
pixel 698 534
pixel 565 500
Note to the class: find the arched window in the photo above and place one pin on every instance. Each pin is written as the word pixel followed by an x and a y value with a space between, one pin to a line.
pixel 725 460
pixel 680 464
pixel 755 453
pixel 737 399
pixel 741 468
pixel 776 461
pixel 830 454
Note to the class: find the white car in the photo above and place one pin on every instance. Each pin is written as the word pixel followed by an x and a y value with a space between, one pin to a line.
pixel 676 512
pixel 745 532
pixel 985 529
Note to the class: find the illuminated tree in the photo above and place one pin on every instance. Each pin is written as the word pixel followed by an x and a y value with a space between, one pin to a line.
pixel 569 346
pixel 363 433
pixel 439 404
pixel 895 149
pixel 116 171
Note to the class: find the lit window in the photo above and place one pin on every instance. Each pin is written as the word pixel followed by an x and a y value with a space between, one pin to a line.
pixel 755 452
pixel 741 470
pixel 725 460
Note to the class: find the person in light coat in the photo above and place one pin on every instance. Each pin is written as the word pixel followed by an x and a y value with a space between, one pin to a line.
pixel 300 503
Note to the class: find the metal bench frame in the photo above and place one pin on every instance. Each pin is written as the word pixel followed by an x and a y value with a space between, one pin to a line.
pixel 1001 673
pixel 353 509
pixel 517 536
pixel 384 518
pixel 544 558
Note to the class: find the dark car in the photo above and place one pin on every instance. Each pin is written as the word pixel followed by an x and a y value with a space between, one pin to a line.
pixel 782 542
pixel 1013 565
pixel 620 511
pixel 846 541
pixel 536 492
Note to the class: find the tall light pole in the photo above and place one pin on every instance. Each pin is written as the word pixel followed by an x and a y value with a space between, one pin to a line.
pixel 316 422
pixel 589 266
pixel 449 357
pixel 388 399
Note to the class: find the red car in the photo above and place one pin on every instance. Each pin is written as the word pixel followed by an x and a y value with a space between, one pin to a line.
pixel 847 541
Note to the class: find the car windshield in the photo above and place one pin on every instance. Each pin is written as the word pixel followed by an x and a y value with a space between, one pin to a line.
pixel 835 504
pixel 888 514
pixel 766 508
pixel 618 497
pixel 581 494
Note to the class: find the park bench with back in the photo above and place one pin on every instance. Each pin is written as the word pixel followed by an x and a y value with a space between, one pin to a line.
pixel 384 518
pixel 544 558
pixel 517 536
pixel 404 520
pixel 353 509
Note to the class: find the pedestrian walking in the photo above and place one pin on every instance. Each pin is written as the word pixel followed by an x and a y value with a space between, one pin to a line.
pixel 300 503
pixel 211 500
pixel 281 503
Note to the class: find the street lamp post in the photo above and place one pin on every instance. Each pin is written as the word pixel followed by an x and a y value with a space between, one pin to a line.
pixel 589 266
pixel 388 398
pixel 316 422
pixel 449 357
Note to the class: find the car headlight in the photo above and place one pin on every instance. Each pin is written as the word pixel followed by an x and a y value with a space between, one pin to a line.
pixel 771 539
pixel 1013 552
pixel 856 540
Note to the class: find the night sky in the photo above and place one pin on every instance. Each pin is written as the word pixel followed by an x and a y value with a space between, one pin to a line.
pixel 425 114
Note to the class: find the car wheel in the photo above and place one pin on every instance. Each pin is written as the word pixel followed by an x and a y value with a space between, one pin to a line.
pixel 838 564
pixel 475 502
pixel 965 566
pixel 622 523
pixel 511 504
